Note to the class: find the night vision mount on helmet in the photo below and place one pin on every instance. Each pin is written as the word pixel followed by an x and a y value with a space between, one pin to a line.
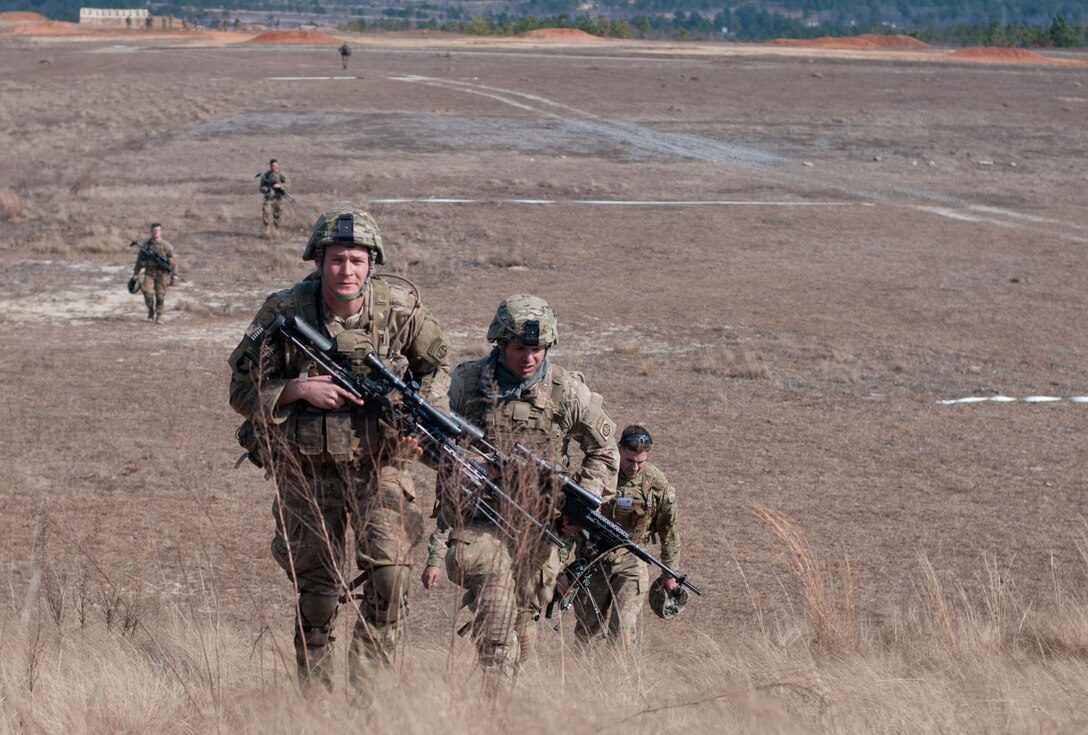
pixel 349 227
pixel 527 318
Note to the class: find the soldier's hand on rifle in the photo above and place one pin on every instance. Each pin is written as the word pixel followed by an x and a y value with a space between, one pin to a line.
pixel 319 392
pixel 430 577
pixel 568 528
pixel 410 445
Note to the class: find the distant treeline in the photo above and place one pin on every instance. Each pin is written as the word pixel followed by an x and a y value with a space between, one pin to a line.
pixel 1038 23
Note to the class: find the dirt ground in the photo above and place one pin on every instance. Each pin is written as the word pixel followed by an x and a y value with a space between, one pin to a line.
pixel 778 259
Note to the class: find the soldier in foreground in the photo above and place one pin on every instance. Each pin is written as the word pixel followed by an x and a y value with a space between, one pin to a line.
pixel 156 259
pixel 338 470
pixel 645 507
pixel 274 188
pixel 517 394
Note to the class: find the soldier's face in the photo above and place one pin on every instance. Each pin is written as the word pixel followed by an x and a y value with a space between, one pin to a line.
pixel 275 167
pixel 520 359
pixel 156 233
pixel 344 269
pixel 631 461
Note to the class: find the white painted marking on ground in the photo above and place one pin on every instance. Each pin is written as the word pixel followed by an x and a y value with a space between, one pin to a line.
pixel 310 79
pixel 1010 399
pixel 1026 217
pixel 625 203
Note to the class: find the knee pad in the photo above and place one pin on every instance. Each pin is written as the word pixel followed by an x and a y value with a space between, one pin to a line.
pixel 316 614
pixel 387 587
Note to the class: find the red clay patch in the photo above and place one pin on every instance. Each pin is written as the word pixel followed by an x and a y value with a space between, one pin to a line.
pixel 42 28
pixel 1004 56
pixel 864 41
pixel 559 34
pixel 12 16
pixel 294 37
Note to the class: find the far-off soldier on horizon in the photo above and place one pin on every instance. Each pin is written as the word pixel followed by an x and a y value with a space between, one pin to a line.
pixel 345 52
pixel 156 259
pixel 338 469
pixel 518 395
pixel 645 507
pixel 274 188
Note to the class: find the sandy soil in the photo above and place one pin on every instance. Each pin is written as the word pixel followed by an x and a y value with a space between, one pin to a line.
pixel 863 236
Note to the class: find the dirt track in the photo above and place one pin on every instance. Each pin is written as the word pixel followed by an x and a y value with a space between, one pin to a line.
pixel 863 237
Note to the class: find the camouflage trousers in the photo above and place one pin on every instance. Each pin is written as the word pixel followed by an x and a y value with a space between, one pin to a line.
pixel 154 289
pixel 272 212
pixel 507 586
pixel 618 590
pixel 313 519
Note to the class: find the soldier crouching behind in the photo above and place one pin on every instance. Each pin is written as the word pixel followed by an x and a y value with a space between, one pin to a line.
pixel 337 469
pixel 517 394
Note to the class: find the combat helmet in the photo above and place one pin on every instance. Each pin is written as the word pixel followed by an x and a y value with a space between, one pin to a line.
pixel 527 318
pixel 667 604
pixel 345 226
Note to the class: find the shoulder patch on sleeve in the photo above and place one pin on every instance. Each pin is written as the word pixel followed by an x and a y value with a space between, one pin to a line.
pixel 439 349
pixel 605 427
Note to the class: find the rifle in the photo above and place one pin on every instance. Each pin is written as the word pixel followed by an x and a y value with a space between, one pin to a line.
pixel 272 190
pixel 580 507
pixel 160 262
pixel 414 416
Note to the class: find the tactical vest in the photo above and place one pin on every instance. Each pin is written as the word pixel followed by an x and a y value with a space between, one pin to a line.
pixel 634 508
pixel 540 422
pixel 348 433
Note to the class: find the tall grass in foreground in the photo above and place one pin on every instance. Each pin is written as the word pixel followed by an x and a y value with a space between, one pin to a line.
pixel 948 664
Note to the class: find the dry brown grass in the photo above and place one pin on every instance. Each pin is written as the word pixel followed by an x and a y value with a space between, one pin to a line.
pixel 830 606
pixel 179 670
pixel 733 362
pixel 11 206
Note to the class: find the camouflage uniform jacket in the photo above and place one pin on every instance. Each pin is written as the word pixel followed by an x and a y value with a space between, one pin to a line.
pixel 163 248
pixel 270 177
pixel 645 507
pixel 558 408
pixel 395 326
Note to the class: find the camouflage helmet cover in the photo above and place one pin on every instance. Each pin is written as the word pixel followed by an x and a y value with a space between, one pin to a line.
pixel 667 604
pixel 134 285
pixel 527 318
pixel 350 227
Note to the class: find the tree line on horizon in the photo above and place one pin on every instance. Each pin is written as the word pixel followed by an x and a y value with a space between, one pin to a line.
pixel 1042 23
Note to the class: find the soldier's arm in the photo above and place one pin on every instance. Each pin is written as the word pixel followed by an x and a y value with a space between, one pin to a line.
pixel 665 524
pixel 171 258
pixel 437 545
pixel 257 380
pixel 428 355
pixel 595 433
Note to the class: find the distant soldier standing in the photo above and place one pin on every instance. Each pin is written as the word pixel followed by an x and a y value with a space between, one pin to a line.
pixel 274 187
pixel 345 52
pixel 645 507
pixel 156 278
